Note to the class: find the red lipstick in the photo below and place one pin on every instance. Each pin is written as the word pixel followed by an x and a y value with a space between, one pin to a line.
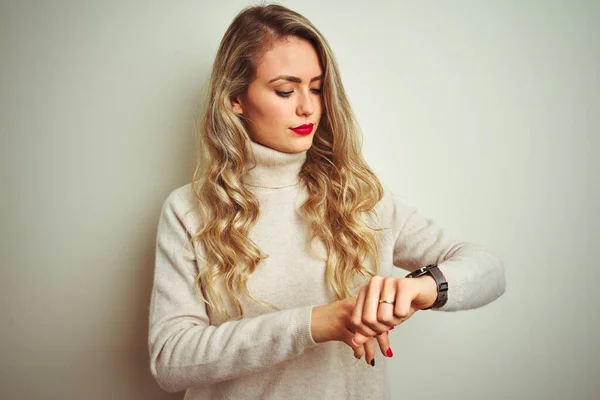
pixel 305 129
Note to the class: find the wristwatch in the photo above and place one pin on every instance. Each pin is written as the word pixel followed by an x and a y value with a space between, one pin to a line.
pixel 442 285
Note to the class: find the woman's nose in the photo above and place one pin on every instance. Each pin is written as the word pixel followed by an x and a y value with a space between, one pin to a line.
pixel 306 104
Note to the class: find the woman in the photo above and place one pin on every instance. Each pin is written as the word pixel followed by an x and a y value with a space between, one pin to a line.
pixel 273 266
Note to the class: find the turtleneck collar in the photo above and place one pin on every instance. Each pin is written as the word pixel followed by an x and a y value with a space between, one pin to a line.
pixel 273 169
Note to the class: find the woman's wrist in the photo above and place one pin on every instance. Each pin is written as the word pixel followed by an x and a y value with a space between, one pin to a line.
pixel 327 321
pixel 428 291
pixel 316 325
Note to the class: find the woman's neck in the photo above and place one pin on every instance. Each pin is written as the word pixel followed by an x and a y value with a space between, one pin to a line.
pixel 271 168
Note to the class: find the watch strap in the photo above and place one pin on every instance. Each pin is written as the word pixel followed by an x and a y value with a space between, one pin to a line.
pixel 440 281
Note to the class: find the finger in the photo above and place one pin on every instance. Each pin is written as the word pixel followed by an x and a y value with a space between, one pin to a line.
pixel 359 338
pixel 385 311
pixel 370 351
pixel 372 304
pixel 404 298
pixel 384 343
pixel 358 349
pixel 357 318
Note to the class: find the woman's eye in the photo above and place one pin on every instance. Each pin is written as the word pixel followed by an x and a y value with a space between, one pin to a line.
pixel 284 94
pixel 289 93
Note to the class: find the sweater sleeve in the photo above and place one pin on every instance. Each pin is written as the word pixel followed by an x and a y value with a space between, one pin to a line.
pixel 475 275
pixel 185 349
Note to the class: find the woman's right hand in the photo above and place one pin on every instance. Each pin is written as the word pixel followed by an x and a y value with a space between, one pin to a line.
pixel 332 322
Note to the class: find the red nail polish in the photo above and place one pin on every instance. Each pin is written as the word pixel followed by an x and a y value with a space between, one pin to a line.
pixel 389 352
pixel 392 328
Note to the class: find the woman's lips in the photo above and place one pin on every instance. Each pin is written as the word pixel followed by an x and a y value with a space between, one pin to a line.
pixel 305 129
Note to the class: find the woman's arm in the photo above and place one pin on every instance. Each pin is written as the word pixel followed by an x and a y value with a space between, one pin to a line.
pixel 185 350
pixel 474 274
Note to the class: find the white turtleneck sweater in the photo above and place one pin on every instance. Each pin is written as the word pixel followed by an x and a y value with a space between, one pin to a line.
pixel 271 354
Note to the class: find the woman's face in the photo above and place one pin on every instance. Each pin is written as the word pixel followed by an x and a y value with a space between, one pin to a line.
pixel 285 94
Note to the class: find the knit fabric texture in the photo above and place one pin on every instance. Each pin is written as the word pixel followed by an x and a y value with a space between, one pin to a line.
pixel 271 354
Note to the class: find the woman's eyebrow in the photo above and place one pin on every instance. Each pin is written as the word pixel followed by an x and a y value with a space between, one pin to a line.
pixel 295 79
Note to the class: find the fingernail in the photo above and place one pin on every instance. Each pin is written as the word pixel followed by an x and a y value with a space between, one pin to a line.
pixel 354 343
pixel 389 352
pixel 392 328
pixel 379 334
pixel 372 362
pixel 386 333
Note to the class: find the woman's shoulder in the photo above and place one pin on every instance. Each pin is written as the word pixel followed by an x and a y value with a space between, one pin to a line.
pixel 181 201
pixel 183 195
pixel 390 202
pixel 393 209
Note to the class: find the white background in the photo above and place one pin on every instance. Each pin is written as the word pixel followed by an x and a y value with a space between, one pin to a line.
pixel 484 114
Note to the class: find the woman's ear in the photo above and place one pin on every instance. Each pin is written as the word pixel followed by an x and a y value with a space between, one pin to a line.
pixel 236 105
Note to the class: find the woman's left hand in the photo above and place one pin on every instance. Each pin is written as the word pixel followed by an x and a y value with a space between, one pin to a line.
pixel 401 297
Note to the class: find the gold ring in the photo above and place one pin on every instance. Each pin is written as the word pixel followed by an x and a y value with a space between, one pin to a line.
pixel 386 301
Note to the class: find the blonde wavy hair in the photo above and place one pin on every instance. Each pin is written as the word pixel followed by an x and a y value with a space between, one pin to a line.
pixel 340 184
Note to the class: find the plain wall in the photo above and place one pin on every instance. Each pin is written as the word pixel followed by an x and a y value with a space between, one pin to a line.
pixel 484 114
